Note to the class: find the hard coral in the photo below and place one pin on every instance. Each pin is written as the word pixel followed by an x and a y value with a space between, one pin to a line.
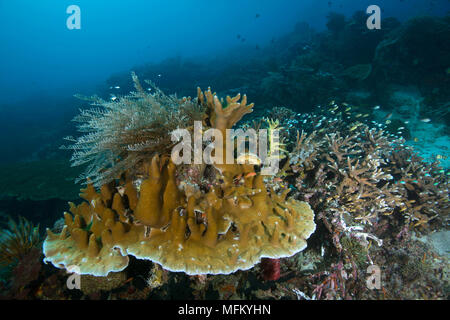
pixel 368 190
pixel 364 173
pixel 147 213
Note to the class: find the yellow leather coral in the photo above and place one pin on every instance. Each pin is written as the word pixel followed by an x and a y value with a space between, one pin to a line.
pixel 153 216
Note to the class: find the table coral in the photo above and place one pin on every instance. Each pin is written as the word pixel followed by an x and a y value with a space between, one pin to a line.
pixel 148 213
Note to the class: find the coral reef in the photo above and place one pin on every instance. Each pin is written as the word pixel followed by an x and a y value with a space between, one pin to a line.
pixel 416 52
pixel 355 162
pixel 376 202
pixel 370 192
pixel 145 212
pixel 91 285
pixel 355 168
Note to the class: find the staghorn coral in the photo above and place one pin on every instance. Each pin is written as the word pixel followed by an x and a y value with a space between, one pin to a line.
pixel 354 169
pixel 368 190
pixel 371 194
pixel 229 224
pixel 18 240
pixel 425 187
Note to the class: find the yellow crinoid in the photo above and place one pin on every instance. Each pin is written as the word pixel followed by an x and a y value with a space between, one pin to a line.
pixel 277 147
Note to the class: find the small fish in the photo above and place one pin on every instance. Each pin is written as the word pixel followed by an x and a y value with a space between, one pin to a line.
pixel 113 98
pixel 257 15
pixel 441 157
pixel 388 116
pixel 406 122
pixel 116 87
pixel 416 139
pixel 250 174
pixel 388 121
pixel 401 128
pixel 425 120
pixel 159 75
pixel 376 107
pixel 365 115
pixel 348 109
pixel 355 126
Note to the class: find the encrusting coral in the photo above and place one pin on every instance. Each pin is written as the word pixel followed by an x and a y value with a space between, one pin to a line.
pixel 227 223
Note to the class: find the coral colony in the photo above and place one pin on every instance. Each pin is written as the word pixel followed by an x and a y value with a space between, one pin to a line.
pixel 218 219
